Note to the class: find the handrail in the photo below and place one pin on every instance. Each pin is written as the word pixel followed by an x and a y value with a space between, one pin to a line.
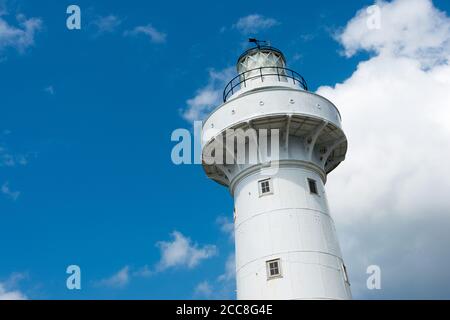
pixel 286 73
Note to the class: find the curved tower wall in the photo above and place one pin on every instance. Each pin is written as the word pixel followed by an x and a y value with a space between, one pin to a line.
pixel 286 242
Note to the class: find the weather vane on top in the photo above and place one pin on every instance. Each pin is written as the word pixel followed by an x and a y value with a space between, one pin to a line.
pixel 258 43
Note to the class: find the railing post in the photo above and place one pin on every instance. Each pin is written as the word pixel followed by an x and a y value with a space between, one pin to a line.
pixel 225 93
pixel 278 73
pixel 260 71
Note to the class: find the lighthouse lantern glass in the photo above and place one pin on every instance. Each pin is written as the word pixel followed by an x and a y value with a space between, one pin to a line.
pixel 260 64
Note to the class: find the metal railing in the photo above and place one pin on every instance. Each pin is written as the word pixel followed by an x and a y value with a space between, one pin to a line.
pixel 281 73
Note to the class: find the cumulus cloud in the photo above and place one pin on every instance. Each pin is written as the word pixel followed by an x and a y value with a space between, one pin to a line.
pixel 182 252
pixel 414 29
pixel 11 295
pixel 208 97
pixel 117 280
pixel 179 252
pixel 8 289
pixel 390 197
pixel 21 35
pixel 107 24
pixel 155 35
pixel 254 23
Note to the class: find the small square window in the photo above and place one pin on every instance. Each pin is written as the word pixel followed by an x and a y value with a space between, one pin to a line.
pixel 312 186
pixel 265 187
pixel 273 268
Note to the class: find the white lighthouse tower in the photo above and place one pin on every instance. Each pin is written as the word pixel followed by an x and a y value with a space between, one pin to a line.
pixel 286 243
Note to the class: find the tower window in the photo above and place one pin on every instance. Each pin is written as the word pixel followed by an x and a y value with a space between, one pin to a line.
pixel 312 186
pixel 265 187
pixel 273 269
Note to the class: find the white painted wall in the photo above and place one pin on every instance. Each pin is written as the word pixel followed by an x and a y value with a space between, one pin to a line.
pixel 291 224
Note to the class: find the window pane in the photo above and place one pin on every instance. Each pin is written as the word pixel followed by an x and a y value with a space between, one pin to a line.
pixel 312 186
pixel 265 187
pixel 273 268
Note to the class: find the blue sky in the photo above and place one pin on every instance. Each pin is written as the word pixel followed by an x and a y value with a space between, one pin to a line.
pixel 85 126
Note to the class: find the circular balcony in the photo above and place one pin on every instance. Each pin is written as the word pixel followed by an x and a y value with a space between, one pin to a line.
pixel 273 74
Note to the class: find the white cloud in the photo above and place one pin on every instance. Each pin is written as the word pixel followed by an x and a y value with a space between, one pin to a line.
pixel 226 225
pixel 144 272
pixel 409 28
pixel 208 97
pixel 182 252
pixel 390 196
pixel 204 289
pixel 306 37
pixel 6 190
pixel 20 36
pixel 119 279
pixel 11 295
pixel 230 270
pixel 7 288
pixel 223 287
pixel 254 23
pixel 9 158
pixel 107 23
pixel 149 31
